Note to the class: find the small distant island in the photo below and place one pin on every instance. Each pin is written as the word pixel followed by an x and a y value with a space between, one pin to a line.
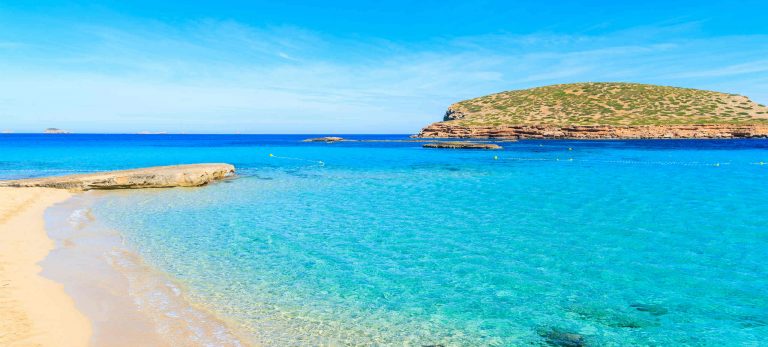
pixel 325 139
pixel 603 110
pixel 55 131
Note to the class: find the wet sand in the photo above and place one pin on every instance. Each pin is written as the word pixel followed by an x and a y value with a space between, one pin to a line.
pixel 34 311
pixel 129 302
pixel 65 281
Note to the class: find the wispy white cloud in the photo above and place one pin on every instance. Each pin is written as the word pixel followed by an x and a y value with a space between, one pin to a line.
pixel 225 76
pixel 730 70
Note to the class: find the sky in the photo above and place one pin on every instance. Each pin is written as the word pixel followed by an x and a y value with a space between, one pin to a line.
pixel 335 67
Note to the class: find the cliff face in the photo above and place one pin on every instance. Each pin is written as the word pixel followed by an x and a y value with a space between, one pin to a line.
pixel 455 130
pixel 604 110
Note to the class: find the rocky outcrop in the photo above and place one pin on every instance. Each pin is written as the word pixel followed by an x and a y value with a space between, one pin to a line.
pixel 453 114
pixel 462 145
pixel 450 129
pixel 561 338
pixel 604 110
pixel 153 177
pixel 325 139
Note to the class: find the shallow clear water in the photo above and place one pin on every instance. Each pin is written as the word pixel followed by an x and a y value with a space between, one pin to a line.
pixel 615 242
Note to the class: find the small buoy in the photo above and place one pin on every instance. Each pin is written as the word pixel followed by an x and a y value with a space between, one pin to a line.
pixel 717 164
pixel 495 157
pixel 762 163
pixel 558 159
pixel 271 155
pixel 570 159
pixel 570 149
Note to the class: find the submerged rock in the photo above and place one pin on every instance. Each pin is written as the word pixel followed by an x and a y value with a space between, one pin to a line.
pixel 560 338
pixel 614 317
pixel 153 177
pixel 655 310
pixel 462 145
pixel 751 321
pixel 325 139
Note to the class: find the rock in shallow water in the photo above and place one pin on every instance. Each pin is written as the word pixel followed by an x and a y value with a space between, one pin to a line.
pixel 560 338
pixel 656 310
pixel 612 317
pixel 462 145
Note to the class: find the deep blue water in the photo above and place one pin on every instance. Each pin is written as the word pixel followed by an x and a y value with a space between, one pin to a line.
pixel 661 243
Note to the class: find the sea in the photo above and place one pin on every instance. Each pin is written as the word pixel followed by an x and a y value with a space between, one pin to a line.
pixel 380 242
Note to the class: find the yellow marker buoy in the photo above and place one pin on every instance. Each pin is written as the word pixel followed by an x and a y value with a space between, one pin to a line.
pixel 271 155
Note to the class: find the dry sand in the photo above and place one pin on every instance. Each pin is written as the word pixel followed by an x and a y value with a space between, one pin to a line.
pixel 34 311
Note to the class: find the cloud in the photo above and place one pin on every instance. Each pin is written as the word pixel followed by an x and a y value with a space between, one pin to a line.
pixel 730 70
pixel 226 76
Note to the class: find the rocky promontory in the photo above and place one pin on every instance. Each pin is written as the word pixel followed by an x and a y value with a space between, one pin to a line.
pixel 603 111
pixel 703 131
pixel 153 177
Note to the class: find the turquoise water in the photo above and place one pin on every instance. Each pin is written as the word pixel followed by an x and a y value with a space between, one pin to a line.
pixel 661 243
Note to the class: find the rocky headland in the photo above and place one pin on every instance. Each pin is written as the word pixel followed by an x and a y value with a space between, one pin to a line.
pixel 603 111
pixel 703 131
pixel 153 177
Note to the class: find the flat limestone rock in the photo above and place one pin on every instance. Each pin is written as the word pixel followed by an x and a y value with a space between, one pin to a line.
pixel 192 175
pixel 462 145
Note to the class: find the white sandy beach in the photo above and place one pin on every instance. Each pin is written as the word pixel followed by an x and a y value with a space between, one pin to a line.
pixel 34 311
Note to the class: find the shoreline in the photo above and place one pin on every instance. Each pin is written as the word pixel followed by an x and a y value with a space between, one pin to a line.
pixel 34 310
pixel 130 302
pixel 68 281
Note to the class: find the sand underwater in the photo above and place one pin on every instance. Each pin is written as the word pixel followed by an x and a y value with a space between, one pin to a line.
pixel 387 243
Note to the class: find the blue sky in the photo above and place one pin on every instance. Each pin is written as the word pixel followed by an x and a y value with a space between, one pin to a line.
pixel 348 66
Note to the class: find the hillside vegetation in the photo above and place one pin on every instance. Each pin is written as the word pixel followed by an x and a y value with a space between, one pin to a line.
pixel 622 104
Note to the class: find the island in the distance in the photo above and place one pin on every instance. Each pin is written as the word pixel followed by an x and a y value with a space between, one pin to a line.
pixel 603 110
pixel 55 131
